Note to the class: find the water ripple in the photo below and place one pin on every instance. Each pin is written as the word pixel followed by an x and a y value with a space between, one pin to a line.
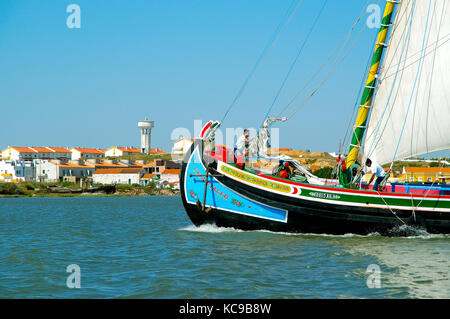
pixel 145 247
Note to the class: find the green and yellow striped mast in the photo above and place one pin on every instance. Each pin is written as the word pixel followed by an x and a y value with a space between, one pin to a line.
pixel 369 88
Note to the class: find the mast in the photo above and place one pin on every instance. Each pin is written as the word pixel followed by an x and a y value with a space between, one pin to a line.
pixel 369 88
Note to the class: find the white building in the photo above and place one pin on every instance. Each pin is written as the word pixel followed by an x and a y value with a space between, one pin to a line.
pixel 86 153
pixel 16 153
pixel 121 151
pixel 146 127
pixel 128 176
pixel 16 171
pixel 56 170
pixel 169 176
pixel 116 151
pixel 182 146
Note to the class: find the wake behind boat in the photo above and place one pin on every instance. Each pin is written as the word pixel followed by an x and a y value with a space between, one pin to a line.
pixel 405 91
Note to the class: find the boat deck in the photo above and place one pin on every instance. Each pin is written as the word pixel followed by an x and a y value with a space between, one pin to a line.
pixel 397 188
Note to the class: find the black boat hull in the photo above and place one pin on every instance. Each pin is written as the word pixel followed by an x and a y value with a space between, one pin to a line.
pixel 305 216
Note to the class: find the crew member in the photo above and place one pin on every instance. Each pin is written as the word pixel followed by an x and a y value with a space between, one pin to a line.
pixel 377 171
pixel 242 143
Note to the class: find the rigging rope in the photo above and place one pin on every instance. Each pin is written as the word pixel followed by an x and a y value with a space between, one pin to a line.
pixel 338 49
pixel 328 75
pixel 294 62
pixel 415 81
pixel 387 205
pixel 281 27
pixel 432 184
pixel 358 96
pixel 431 78
pixel 420 77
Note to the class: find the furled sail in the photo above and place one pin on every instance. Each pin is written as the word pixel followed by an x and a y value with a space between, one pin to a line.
pixel 411 111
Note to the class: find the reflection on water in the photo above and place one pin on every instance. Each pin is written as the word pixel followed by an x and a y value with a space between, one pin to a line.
pixel 419 264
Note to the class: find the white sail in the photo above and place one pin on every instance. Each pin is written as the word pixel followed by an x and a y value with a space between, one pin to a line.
pixel 413 93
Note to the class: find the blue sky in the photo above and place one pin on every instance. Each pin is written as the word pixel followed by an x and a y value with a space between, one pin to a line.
pixel 173 62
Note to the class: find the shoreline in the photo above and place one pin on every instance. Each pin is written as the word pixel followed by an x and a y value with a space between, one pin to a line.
pixel 65 189
pixel 42 195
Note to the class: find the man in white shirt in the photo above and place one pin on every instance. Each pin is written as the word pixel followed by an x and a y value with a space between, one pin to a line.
pixel 242 143
pixel 377 171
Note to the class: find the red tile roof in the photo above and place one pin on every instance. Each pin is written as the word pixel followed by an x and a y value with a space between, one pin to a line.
pixel 105 164
pixel 89 150
pixel 427 170
pixel 41 149
pixel 175 171
pixel 157 151
pixel 23 149
pixel 72 165
pixel 137 164
pixel 129 149
pixel 59 149
pixel 129 170
pixel 151 164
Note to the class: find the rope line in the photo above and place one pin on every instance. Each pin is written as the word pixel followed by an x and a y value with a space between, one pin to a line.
pixel 358 96
pixel 294 62
pixel 415 81
pixel 328 75
pixel 339 48
pixel 392 211
pixel 431 78
pixel 280 29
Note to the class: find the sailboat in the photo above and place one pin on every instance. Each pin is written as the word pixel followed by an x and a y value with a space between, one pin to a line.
pixel 404 112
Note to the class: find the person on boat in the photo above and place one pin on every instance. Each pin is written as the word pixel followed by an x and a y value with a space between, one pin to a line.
pixel 283 170
pixel 242 143
pixel 377 171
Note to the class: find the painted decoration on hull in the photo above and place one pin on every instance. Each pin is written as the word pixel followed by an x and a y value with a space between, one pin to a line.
pixel 336 195
pixel 255 180
pixel 220 196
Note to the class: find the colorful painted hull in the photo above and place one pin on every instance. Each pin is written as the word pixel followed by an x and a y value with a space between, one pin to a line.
pixel 245 200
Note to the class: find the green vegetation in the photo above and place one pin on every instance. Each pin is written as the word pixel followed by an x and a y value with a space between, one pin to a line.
pixel 32 189
pixel 150 189
pixel 434 164
pixel 324 172
pixel 11 189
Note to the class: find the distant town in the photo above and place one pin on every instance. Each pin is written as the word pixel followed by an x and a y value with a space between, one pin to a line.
pixel 143 166
pixel 89 166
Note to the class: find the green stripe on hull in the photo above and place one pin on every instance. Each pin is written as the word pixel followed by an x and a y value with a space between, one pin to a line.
pixel 376 200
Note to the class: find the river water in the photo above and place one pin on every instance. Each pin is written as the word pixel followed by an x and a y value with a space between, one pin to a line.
pixel 146 247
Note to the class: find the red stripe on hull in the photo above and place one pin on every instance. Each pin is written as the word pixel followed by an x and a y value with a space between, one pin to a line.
pixel 342 190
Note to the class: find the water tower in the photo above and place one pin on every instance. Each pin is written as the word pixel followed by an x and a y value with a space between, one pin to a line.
pixel 146 134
